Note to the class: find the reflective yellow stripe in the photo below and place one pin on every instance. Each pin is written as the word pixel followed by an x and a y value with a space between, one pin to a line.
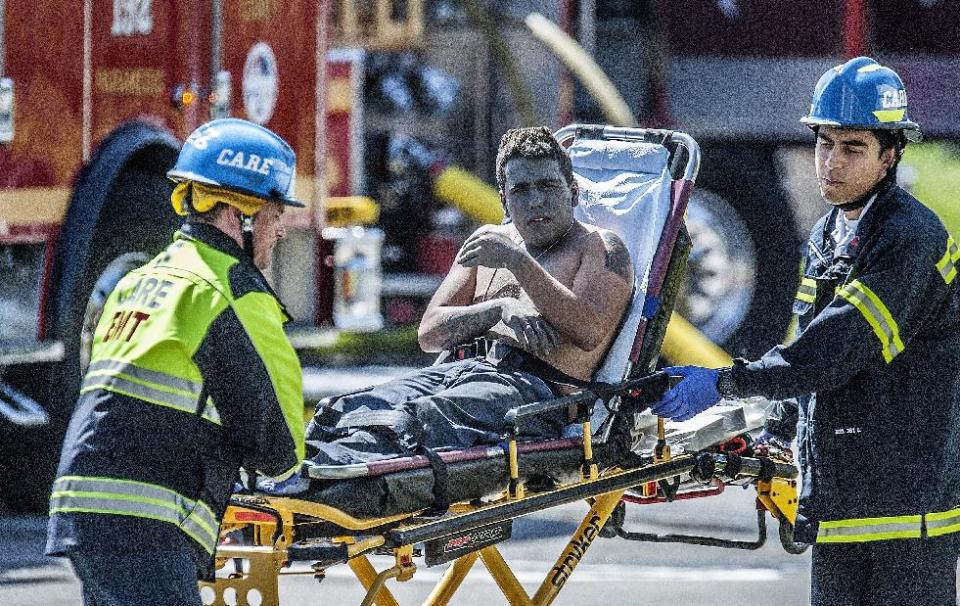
pixel 142 383
pixel 947 265
pixel 139 390
pixel 176 384
pixel 138 499
pixel 943 522
pixel 860 530
pixel 869 529
pixel 890 115
pixel 807 291
pixel 877 315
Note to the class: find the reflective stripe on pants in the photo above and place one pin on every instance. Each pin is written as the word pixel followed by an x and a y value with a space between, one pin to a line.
pixel 860 530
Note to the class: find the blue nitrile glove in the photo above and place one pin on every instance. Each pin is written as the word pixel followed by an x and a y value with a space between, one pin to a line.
pixel 694 394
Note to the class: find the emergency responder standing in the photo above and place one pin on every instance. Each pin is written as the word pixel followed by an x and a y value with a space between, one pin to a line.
pixel 191 377
pixel 879 350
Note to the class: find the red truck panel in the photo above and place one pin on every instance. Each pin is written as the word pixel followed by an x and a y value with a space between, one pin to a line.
pixel 135 73
pixel 43 52
pixel 289 30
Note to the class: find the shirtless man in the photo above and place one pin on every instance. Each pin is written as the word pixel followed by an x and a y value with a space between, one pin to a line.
pixel 547 290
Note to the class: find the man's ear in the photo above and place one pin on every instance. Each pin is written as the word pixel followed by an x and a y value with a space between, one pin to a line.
pixel 574 193
pixel 506 211
pixel 889 156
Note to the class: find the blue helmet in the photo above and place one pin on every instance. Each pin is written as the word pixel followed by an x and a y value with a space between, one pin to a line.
pixel 240 156
pixel 861 94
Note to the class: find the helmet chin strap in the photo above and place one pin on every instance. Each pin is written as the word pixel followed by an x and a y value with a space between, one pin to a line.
pixel 246 226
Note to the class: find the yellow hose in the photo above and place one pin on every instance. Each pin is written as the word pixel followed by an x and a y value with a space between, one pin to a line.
pixel 583 67
pixel 468 193
pixel 684 344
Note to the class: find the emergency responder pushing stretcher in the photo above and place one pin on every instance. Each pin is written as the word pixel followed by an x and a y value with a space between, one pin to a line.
pixel 876 365
pixel 191 376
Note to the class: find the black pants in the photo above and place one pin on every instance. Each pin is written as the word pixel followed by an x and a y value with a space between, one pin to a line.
pixel 460 404
pixel 907 572
pixel 117 578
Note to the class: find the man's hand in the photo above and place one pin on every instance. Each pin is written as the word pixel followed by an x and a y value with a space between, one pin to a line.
pixel 534 334
pixel 490 248
pixel 696 392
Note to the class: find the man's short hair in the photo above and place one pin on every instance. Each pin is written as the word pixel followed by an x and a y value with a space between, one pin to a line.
pixel 532 143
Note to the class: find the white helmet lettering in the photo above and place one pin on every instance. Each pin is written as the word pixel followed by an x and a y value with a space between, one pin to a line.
pixel 202 136
pixel 251 162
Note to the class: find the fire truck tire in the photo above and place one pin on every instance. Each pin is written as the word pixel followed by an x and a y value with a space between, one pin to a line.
pixel 137 218
pixel 746 249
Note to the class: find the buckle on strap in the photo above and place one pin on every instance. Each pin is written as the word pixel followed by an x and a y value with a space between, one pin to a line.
pixel 477 348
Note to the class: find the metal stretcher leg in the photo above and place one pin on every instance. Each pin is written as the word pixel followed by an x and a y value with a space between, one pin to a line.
pixel 373 582
pixel 261 577
pixel 589 529
pixel 451 580
pixel 506 580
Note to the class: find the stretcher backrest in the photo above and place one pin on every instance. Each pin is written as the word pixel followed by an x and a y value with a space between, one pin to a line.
pixel 625 186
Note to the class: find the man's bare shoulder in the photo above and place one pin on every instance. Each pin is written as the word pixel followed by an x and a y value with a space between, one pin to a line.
pixel 608 245
pixel 505 228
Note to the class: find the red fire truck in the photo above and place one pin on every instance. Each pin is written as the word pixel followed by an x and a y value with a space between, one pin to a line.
pixel 95 98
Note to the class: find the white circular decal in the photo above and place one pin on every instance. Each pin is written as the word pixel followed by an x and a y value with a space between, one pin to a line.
pixel 260 83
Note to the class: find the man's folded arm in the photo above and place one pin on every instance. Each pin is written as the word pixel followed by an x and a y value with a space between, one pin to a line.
pixel 586 313
pixel 451 317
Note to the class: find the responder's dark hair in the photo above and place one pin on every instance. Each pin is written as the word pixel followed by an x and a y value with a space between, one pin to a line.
pixel 209 216
pixel 536 143
pixel 891 139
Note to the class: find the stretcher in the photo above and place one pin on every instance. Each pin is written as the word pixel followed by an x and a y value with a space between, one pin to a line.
pixel 455 507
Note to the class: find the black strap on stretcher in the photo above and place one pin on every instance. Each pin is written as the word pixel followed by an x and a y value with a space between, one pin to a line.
pixel 441 482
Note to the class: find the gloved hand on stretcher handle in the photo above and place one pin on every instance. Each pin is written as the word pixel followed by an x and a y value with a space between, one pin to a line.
pixel 696 392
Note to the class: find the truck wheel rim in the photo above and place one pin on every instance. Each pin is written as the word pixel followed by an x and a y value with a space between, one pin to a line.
pixel 722 268
pixel 102 288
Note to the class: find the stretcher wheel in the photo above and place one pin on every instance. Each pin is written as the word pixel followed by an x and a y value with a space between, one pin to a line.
pixel 786 539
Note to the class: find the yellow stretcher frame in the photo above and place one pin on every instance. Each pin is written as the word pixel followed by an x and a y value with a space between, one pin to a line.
pixel 274 522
